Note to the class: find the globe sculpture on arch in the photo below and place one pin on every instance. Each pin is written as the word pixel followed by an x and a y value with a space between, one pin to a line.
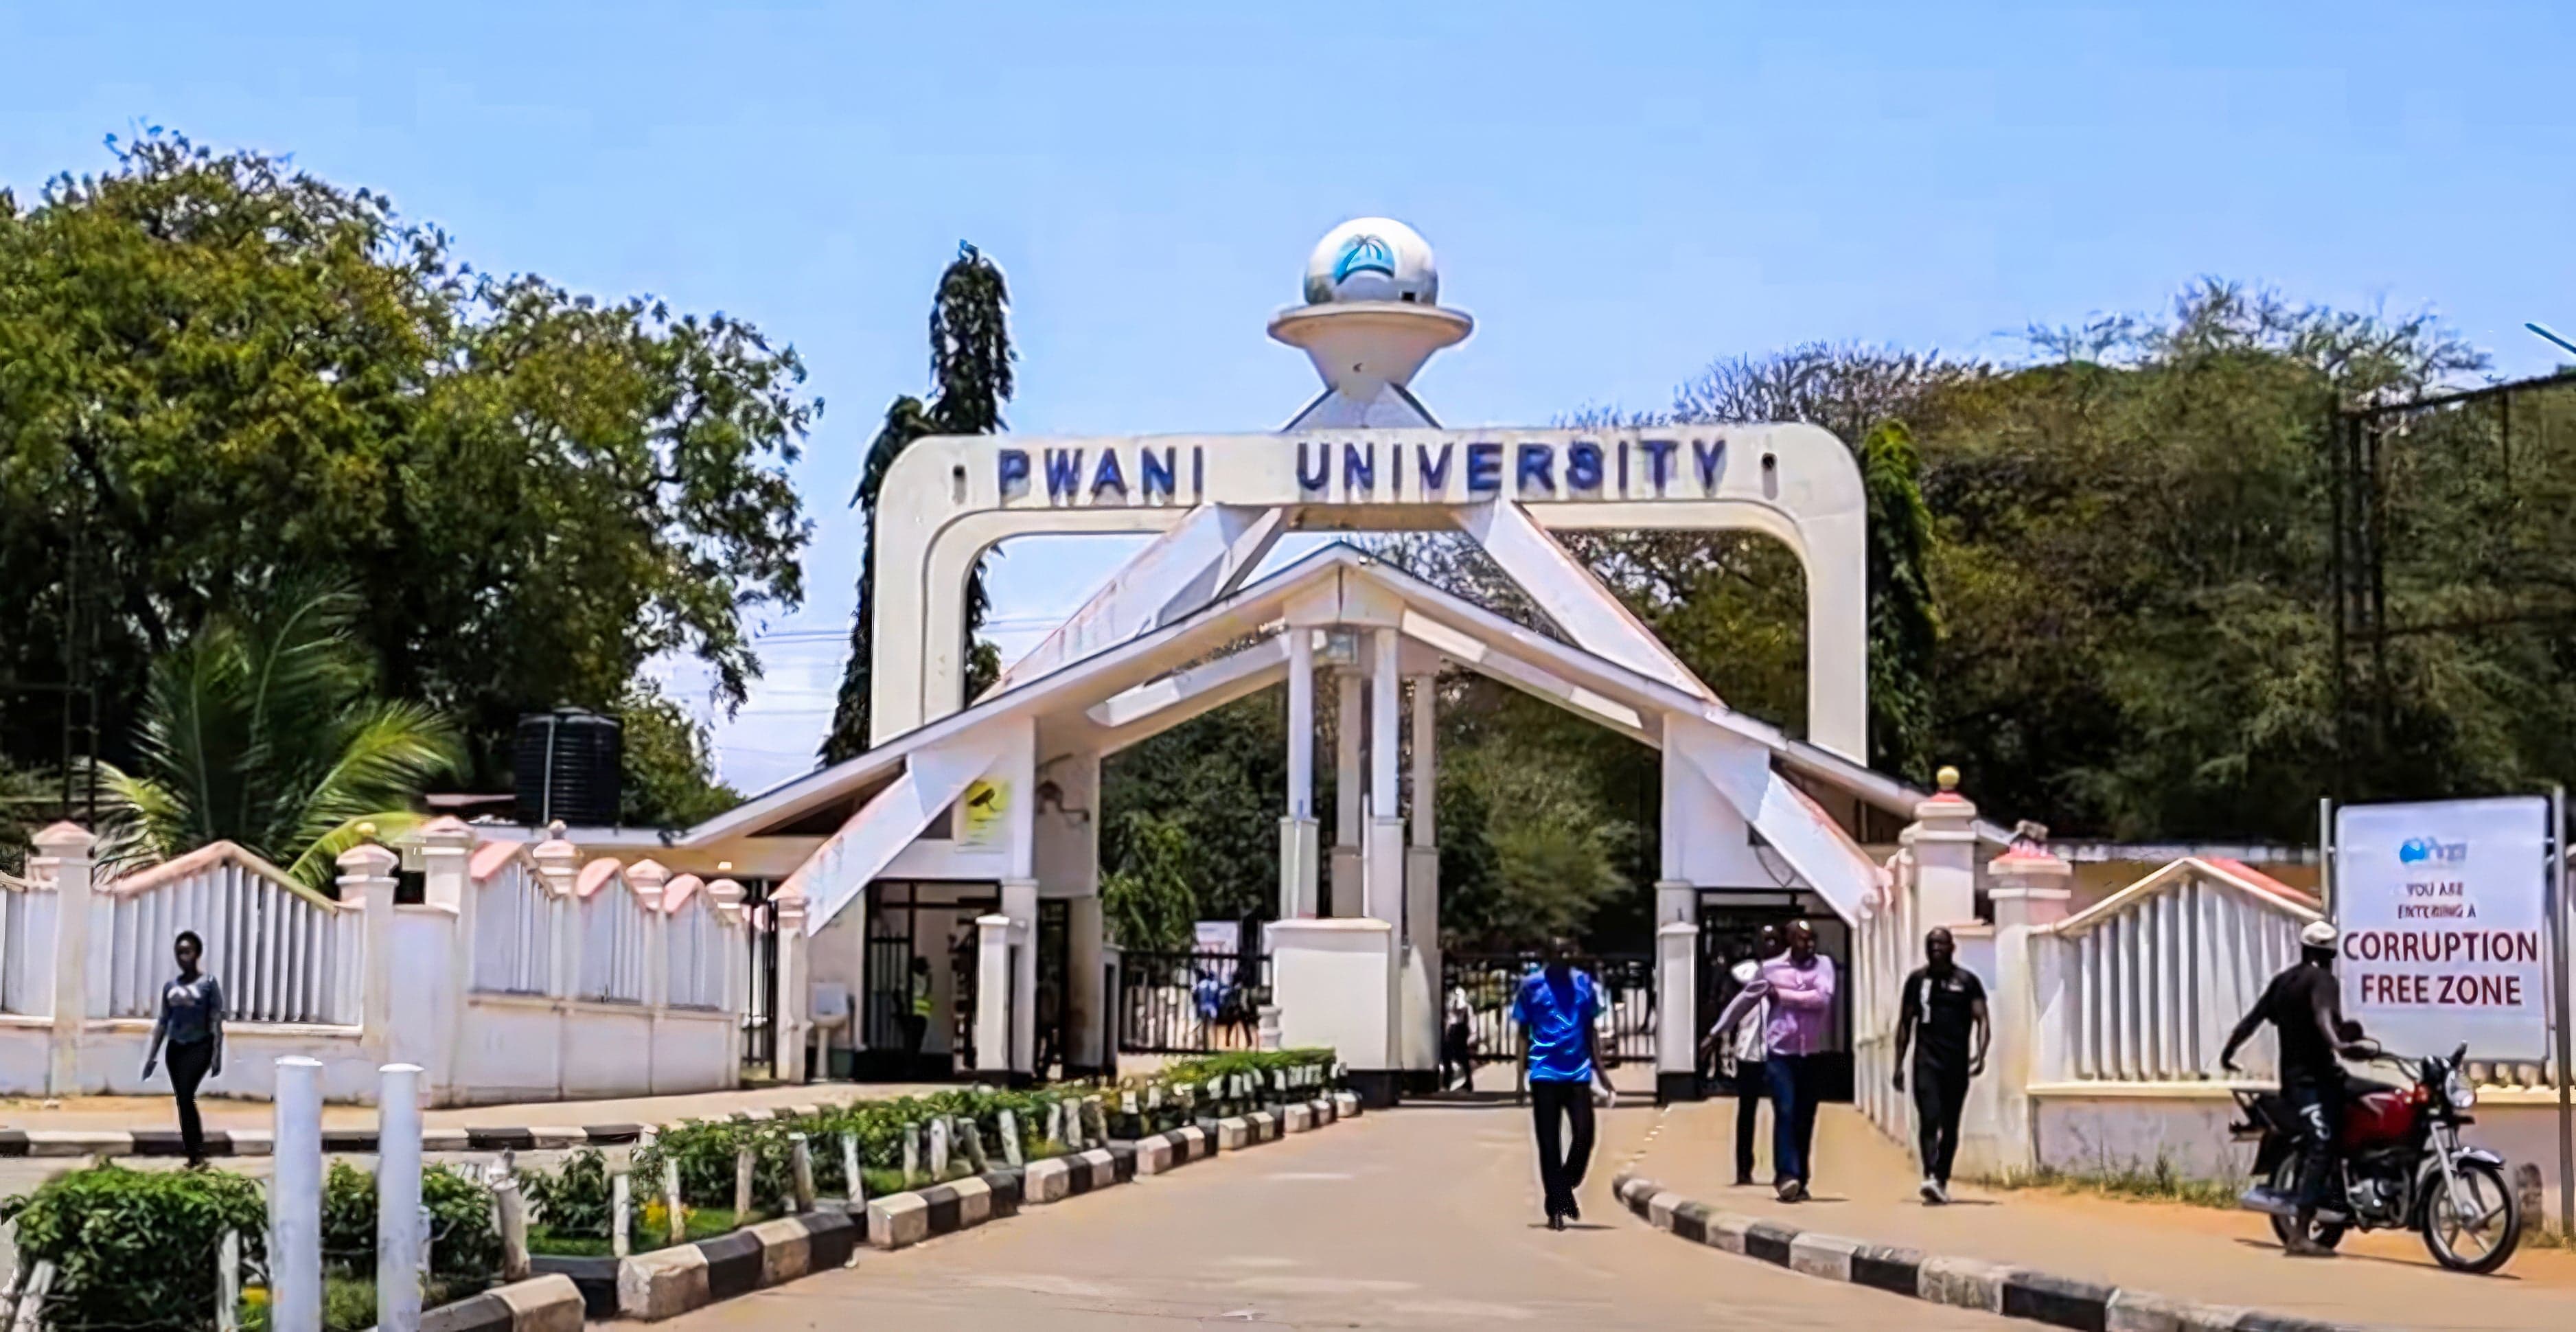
pixel 1372 316
pixel 1372 259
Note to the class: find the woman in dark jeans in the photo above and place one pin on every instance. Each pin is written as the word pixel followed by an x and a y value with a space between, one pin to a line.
pixel 192 1021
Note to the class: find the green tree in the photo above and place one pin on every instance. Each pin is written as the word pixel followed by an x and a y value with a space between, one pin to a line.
pixel 971 380
pixel 2133 537
pixel 1904 626
pixel 668 762
pixel 1219 780
pixel 1146 902
pixel 217 371
pixel 265 731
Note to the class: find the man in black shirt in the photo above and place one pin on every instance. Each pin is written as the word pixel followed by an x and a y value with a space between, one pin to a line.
pixel 2305 1008
pixel 1945 1021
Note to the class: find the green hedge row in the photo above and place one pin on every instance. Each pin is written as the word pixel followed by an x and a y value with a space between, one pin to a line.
pixel 135 1250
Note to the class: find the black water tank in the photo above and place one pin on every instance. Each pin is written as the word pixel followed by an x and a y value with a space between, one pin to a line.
pixel 568 763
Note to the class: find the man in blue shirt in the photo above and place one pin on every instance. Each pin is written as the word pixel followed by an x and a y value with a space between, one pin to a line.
pixel 1556 1008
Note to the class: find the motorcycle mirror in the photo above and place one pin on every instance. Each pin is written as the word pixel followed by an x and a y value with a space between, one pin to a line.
pixel 2460 1055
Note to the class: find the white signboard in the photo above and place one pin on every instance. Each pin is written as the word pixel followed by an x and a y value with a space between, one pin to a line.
pixel 2445 925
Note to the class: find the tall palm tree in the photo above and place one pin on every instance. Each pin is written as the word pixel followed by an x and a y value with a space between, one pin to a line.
pixel 264 730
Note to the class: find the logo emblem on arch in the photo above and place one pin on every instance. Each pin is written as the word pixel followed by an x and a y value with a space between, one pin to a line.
pixel 1364 253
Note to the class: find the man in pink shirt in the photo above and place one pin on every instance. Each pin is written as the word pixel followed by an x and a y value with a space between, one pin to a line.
pixel 1801 985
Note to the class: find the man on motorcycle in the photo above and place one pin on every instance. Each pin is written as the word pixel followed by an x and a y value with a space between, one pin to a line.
pixel 2305 1008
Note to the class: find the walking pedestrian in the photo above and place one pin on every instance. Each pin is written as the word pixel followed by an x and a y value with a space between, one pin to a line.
pixel 1557 1007
pixel 1457 1041
pixel 1802 1006
pixel 1741 1037
pixel 1944 1020
pixel 192 1022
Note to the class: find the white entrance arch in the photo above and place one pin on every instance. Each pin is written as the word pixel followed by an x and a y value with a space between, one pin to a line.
pixel 949 499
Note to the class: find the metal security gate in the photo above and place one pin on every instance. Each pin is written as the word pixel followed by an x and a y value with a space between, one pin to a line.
pixel 1488 981
pixel 1191 1003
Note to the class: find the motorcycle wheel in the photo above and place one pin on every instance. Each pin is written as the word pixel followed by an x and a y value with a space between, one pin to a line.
pixel 2476 1245
pixel 2285 1181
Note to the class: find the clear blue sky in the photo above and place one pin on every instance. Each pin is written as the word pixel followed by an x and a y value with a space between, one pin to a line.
pixel 1619 192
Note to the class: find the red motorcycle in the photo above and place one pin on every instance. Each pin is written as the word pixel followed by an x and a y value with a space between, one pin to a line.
pixel 2400 1165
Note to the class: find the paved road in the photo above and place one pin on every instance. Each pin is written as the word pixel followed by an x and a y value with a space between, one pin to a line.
pixel 1418 1218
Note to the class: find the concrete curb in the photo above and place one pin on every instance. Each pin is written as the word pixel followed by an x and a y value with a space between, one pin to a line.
pixel 668 1282
pixel 1060 1177
pixel 1157 1153
pixel 1964 1283
pixel 540 1304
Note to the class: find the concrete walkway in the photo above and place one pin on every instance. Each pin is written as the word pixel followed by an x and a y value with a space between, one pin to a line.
pixel 1412 1218
pixel 1864 1189
pixel 157 1112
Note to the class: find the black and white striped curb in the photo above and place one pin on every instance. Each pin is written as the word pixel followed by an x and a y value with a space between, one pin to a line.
pixel 1157 1153
pixel 901 1220
pixel 1057 1178
pixel 1965 1283
pixel 668 1282
pixel 541 1304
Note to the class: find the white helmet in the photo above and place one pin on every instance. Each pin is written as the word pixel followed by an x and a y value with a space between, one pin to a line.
pixel 2319 935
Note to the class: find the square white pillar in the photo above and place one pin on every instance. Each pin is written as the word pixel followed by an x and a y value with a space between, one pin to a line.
pixel 1300 862
pixel 1676 1012
pixel 1020 904
pixel 1350 718
pixel 1086 994
pixel 993 1054
pixel 1332 980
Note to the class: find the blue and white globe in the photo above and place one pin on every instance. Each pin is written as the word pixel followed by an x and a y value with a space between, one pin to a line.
pixel 1372 259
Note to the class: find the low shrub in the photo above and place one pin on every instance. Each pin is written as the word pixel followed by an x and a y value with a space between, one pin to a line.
pixel 135 1249
pixel 464 1248
pixel 574 1201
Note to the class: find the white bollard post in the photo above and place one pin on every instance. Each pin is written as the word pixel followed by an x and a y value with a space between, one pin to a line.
pixel 228 1283
pixel 1055 1121
pixel 295 1199
pixel 513 1209
pixel 399 1233
pixel 938 1149
pixel 742 1185
pixel 800 1160
pixel 676 1217
pixel 911 1154
pixel 857 1190
pixel 621 1205
pixel 1011 1140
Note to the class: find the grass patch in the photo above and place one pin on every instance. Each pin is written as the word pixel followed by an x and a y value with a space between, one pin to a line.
pixel 2161 1183
pixel 702 1223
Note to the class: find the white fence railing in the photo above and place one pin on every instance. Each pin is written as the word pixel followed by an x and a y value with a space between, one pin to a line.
pixel 286 954
pixel 2145 985
pixel 514 922
pixel 26 935
pixel 614 924
pixel 595 980
pixel 696 941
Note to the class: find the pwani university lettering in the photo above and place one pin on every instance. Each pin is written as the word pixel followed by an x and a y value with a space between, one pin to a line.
pixel 1445 471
